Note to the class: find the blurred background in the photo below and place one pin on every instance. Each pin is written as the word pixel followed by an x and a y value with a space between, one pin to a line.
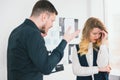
pixel 13 13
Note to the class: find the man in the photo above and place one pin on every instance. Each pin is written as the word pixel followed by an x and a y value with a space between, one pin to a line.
pixel 27 56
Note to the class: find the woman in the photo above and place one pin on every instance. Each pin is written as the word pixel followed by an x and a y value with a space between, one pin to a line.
pixel 90 57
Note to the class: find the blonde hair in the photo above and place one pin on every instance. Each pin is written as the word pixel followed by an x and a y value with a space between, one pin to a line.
pixel 91 23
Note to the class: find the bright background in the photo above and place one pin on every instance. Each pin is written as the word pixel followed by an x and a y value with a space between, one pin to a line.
pixel 13 13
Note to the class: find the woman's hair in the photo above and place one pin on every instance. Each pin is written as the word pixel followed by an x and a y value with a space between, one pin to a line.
pixel 91 23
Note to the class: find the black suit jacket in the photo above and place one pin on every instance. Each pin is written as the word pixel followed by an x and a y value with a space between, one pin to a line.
pixel 27 56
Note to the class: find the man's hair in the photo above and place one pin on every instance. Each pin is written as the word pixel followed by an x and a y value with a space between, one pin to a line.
pixel 43 6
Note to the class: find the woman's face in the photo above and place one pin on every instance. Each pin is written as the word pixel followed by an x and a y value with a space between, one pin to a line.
pixel 95 35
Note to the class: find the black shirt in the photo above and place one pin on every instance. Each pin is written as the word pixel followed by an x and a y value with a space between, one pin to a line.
pixel 27 56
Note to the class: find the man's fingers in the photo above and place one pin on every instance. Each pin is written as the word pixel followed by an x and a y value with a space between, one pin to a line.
pixel 76 33
pixel 68 29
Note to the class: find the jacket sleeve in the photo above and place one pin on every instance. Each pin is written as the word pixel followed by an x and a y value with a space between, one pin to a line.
pixel 79 70
pixel 39 55
pixel 103 56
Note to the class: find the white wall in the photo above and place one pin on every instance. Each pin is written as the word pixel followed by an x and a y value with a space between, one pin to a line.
pixel 113 23
pixel 14 12
pixel 97 9
pixel 73 9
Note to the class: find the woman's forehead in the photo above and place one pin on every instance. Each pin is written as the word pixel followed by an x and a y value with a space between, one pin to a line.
pixel 96 30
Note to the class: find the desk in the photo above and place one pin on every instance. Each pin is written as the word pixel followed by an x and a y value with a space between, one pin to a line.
pixel 66 74
pixel 114 74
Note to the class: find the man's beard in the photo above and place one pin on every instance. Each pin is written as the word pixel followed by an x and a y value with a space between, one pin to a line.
pixel 42 29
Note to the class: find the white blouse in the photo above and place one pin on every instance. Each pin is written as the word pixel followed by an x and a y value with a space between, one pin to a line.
pixel 102 61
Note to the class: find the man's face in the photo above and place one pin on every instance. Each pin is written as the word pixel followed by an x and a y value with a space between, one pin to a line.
pixel 48 23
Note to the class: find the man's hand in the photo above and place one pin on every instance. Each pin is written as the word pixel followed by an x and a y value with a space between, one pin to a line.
pixel 69 36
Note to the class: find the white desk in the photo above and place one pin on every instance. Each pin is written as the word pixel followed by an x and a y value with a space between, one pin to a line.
pixel 114 74
pixel 67 74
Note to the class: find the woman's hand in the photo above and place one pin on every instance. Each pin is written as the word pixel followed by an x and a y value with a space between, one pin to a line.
pixel 104 36
pixel 105 69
